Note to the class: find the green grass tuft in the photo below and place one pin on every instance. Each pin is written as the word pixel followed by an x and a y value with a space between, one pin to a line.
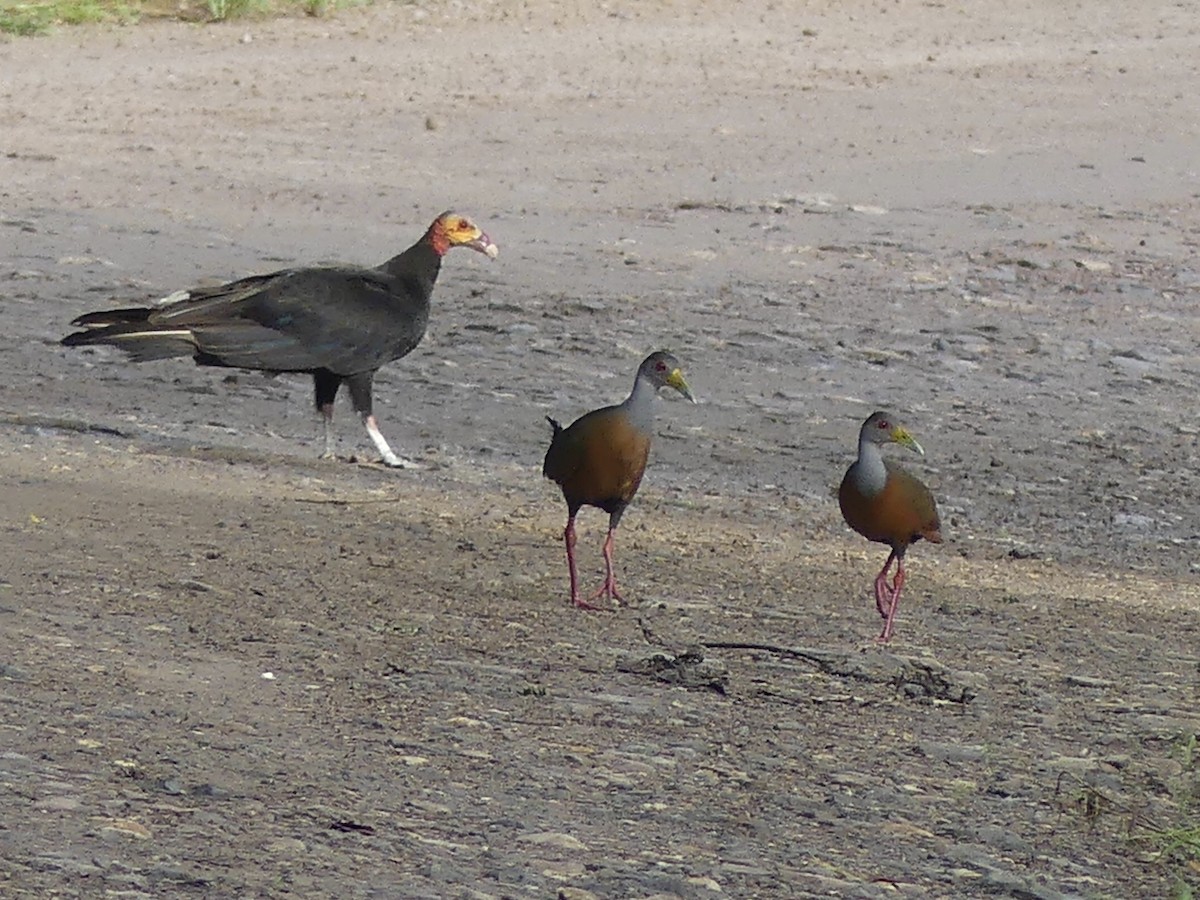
pixel 1179 846
pixel 37 17
pixel 23 19
pixel 222 10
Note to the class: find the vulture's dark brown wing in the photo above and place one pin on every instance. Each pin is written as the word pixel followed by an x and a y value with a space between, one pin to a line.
pixel 346 320
pixel 343 319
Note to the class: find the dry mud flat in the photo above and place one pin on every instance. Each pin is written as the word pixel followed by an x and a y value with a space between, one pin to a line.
pixel 230 670
pixel 226 685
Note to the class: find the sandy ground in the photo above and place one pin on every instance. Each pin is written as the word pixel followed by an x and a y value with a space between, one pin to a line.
pixel 229 669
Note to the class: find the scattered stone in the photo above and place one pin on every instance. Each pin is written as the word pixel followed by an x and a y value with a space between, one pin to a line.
pixel 63 862
pixel 128 826
pixel 287 845
pixel 554 839
pixel 951 752
pixel 347 825
pixel 1087 681
pixel 1131 366
pixel 1001 838
pixel 210 790
pixel 1132 521
pixel 177 875
pixel 13 673
pixel 60 804
pixel 574 893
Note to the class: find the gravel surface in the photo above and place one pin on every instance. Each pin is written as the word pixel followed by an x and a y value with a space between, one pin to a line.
pixel 230 669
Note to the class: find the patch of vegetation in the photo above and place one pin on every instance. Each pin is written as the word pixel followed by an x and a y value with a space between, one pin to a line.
pixel 1179 846
pixel 25 18
pixel 32 18
pixel 1186 750
pixel 221 10
pixel 21 18
pixel 1169 836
